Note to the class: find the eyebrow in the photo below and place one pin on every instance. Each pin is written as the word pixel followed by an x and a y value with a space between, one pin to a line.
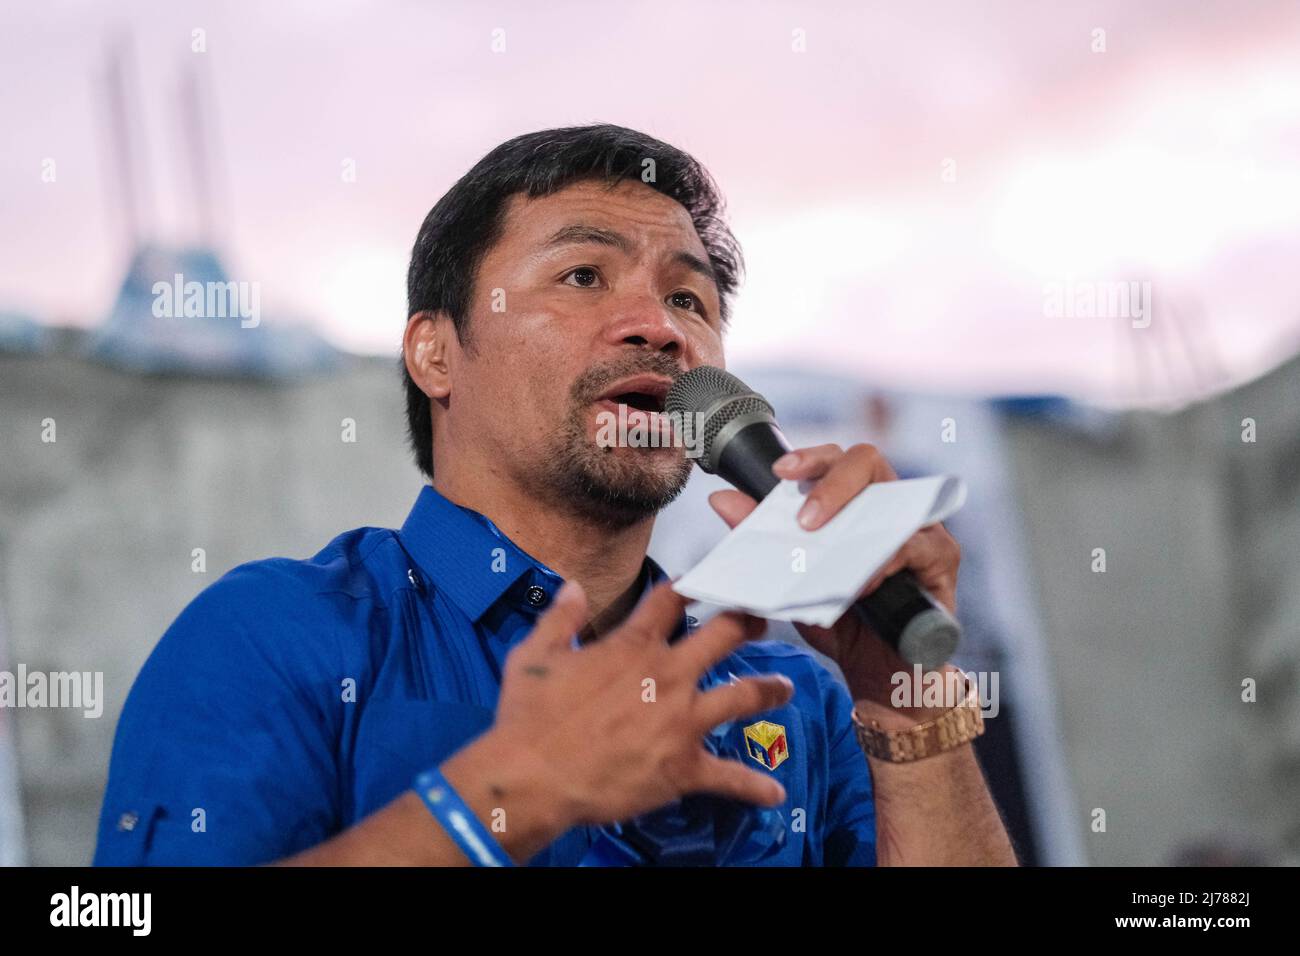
pixel 579 233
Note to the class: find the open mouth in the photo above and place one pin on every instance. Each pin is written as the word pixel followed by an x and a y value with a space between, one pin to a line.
pixel 637 403
pixel 642 401
pixel 644 393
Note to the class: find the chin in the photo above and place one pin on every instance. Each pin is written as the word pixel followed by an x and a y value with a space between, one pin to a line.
pixel 623 485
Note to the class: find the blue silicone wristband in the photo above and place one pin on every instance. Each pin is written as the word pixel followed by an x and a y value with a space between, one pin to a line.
pixel 468 832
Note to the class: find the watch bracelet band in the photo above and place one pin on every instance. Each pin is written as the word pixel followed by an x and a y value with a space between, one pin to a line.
pixel 959 725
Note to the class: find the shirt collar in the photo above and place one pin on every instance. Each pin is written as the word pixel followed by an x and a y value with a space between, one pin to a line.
pixel 473 563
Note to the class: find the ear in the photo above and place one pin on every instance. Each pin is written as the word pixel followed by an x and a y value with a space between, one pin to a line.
pixel 425 348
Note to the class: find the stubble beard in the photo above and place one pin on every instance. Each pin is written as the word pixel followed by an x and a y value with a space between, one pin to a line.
pixel 611 487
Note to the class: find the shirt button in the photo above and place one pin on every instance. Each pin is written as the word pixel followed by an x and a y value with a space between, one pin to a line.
pixel 413 576
pixel 127 821
pixel 536 595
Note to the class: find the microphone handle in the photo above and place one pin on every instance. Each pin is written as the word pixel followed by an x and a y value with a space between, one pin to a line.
pixel 904 614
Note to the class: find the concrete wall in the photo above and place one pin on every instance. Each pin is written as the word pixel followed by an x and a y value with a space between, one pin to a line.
pixel 97 529
pixel 1202 538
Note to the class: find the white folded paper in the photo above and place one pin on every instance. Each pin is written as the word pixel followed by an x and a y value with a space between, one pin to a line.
pixel 769 566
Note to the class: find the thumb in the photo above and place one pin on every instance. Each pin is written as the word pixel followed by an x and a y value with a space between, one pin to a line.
pixel 733 506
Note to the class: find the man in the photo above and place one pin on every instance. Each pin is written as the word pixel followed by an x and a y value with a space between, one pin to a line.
pixel 512 648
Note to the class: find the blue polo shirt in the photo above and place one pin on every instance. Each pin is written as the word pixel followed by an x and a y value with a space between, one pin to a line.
pixel 292 698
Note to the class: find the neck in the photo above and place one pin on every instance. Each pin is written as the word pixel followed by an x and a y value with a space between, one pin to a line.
pixel 615 613
pixel 605 562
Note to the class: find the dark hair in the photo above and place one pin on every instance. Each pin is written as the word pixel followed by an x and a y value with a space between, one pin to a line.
pixel 468 219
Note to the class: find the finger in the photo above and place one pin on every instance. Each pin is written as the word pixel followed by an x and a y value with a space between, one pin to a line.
pixel 857 468
pixel 806 463
pixel 878 579
pixel 749 695
pixel 730 778
pixel 715 640
pixel 654 618
pixel 903 559
pixel 733 506
pixel 564 618
pixel 932 558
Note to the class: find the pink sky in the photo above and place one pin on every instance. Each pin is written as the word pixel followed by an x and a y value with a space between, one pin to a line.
pixel 1172 157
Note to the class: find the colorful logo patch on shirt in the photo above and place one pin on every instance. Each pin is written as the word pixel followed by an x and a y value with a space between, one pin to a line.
pixel 766 743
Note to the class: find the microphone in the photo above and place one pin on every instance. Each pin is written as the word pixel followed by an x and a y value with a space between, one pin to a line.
pixel 740 441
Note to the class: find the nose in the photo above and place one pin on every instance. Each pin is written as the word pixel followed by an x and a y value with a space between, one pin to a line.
pixel 645 321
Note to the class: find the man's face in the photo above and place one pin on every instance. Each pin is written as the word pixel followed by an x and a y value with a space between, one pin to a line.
pixel 600 299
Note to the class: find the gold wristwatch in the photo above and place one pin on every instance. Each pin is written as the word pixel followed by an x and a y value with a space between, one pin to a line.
pixel 950 729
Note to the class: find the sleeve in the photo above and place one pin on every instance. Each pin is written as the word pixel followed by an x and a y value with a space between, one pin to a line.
pixel 226 749
pixel 850 834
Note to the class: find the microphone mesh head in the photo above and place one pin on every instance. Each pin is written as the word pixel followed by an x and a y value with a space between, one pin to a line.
pixel 717 395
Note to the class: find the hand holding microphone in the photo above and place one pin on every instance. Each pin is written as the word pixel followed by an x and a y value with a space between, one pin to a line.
pixel 741 441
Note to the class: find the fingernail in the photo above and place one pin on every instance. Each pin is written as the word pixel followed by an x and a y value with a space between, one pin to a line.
pixel 788 460
pixel 808 513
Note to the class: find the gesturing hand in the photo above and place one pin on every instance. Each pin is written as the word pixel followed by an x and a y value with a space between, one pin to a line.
pixel 616 726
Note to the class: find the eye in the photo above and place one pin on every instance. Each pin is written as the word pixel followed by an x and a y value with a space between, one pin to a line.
pixel 693 301
pixel 586 277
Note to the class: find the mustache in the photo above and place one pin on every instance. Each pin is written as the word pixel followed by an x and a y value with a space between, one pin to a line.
pixel 588 386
